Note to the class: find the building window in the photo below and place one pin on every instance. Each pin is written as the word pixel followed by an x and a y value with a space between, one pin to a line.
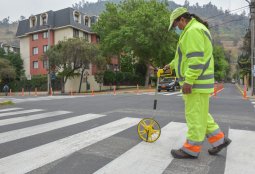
pixel 35 37
pixel 75 33
pixel 45 48
pixel 45 34
pixel 44 19
pixel 35 50
pixel 45 64
pixel 35 64
pixel 86 21
pixel 77 17
pixel 86 36
pixel 33 21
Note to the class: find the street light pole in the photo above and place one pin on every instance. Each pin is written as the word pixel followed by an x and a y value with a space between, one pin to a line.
pixel 252 28
pixel 48 62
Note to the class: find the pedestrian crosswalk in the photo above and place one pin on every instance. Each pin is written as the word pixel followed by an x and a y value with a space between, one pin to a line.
pixel 162 93
pixel 142 157
pixel 253 102
pixel 44 98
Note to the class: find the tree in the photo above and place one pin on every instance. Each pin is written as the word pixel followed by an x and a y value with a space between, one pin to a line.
pixel 7 72
pixel 221 66
pixel 140 26
pixel 69 57
pixel 92 54
pixel 15 61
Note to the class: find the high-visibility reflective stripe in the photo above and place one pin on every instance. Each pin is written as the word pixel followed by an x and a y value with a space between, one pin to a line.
pixel 179 62
pixel 194 142
pixel 217 143
pixel 208 35
pixel 203 77
pixel 206 77
pixel 193 148
pixel 195 54
pixel 190 152
pixel 199 66
pixel 203 86
pixel 216 138
pixel 217 131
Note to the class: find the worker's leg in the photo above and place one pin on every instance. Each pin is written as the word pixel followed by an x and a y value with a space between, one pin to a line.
pixel 196 111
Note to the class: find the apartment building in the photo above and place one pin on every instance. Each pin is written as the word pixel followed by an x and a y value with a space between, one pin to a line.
pixel 48 28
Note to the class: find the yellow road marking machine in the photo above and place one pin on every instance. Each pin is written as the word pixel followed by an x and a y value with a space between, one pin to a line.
pixel 148 128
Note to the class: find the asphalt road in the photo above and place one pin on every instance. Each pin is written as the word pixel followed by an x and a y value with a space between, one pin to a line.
pixel 59 138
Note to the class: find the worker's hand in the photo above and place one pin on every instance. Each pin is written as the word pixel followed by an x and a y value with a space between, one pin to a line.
pixel 186 88
pixel 166 67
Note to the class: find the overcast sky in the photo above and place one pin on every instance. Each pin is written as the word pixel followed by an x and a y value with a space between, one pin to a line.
pixel 16 8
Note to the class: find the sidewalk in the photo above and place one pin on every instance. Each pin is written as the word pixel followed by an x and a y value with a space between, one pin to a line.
pixel 248 92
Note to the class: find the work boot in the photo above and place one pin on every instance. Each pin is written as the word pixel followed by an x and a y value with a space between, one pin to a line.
pixel 215 150
pixel 180 154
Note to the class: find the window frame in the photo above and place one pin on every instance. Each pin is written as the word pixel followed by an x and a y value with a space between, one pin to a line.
pixel 34 52
pixel 45 35
pixel 35 38
pixel 35 63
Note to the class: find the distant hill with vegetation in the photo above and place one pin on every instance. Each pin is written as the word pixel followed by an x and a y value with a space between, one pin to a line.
pixel 227 28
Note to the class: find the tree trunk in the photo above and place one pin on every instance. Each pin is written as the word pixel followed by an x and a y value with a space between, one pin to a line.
pixel 83 69
pixel 62 85
pixel 147 77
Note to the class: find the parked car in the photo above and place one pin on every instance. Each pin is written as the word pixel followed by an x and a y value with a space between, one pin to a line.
pixel 233 81
pixel 169 83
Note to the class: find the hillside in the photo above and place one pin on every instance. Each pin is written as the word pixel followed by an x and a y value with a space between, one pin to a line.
pixel 225 27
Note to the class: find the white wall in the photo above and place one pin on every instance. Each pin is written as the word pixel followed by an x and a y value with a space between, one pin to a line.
pixel 25 56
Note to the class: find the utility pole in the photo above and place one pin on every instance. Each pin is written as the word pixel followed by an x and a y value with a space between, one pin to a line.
pixel 252 28
pixel 252 10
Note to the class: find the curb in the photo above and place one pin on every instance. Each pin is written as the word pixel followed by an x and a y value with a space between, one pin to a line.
pixel 241 91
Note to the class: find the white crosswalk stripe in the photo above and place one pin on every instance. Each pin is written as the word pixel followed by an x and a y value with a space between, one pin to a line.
pixel 19 112
pixel 160 93
pixel 29 131
pixel 240 154
pixel 9 109
pixel 153 158
pixel 31 159
pixel 21 100
pixel 31 117
pixel 144 158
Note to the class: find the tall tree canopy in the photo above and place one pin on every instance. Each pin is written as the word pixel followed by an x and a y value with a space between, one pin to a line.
pixel 139 26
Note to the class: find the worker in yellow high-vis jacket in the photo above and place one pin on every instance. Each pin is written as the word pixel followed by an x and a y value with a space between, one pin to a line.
pixel 194 66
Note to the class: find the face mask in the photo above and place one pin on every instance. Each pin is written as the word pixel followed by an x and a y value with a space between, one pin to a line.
pixel 178 30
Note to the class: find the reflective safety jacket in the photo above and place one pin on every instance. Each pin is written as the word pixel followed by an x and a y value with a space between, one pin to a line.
pixel 193 62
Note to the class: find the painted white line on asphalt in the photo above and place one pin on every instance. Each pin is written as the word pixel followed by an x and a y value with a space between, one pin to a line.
pixel 29 160
pixel 20 112
pixel 149 158
pixel 43 98
pixel 33 130
pixel 32 117
pixel 9 109
pixel 240 153
pixel 174 93
pixel 253 103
